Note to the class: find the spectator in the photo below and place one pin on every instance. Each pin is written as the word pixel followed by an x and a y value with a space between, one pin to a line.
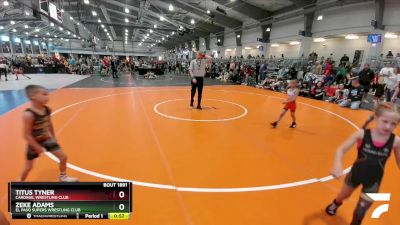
pixel 41 59
pixel 330 58
pixel 28 60
pixel 263 71
pixel 304 89
pixel 389 55
pixel 316 69
pixel 396 94
pixel 257 70
pixel 72 61
pixel 177 67
pixel 114 66
pixel 322 59
pixel 386 71
pixel 313 56
pixel 265 84
pixel 214 72
pixel 317 91
pixel 277 85
pixel 340 94
pixel 340 74
pixel 366 76
pixel 248 71
pixel 392 83
pixel 3 68
pixel 329 77
pixel 355 95
pixel 328 68
pixel 292 73
pixel 232 66
pixel 344 60
pixel 350 75
pixel 184 67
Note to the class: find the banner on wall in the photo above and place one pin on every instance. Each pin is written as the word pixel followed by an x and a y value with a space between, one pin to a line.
pixel 55 13
pixel 185 52
pixel 261 48
pixel 375 38
pixel 53 10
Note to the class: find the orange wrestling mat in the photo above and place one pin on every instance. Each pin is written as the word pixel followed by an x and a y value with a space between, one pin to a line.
pixel 221 165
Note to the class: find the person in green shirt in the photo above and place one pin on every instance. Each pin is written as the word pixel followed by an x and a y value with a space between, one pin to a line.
pixel 340 74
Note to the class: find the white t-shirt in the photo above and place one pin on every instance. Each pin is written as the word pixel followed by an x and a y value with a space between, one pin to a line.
pixel 291 92
pixel 392 81
pixel 198 67
pixel 385 73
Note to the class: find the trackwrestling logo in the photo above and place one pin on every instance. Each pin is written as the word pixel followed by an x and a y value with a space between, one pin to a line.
pixel 381 197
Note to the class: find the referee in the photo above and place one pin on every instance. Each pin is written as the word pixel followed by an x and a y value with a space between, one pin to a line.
pixel 197 70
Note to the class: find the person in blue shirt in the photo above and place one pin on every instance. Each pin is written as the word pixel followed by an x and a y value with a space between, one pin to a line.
pixel 263 71
pixel 72 61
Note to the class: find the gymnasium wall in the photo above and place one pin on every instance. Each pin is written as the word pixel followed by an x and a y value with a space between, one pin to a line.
pixel 337 22
pixel 230 52
pixel 289 51
pixel 344 20
pixel 229 38
pixel 391 45
pixel 249 37
pixel 253 51
pixel 119 48
pixel 391 18
pixel 287 30
pixel 340 46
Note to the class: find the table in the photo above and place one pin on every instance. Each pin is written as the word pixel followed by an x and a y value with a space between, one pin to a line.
pixel 40 69
pixel 143 71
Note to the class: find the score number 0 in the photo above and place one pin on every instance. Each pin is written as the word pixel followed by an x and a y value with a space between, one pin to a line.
pixel 121 195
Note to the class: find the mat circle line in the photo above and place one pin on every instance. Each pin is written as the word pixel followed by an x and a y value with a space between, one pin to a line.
pixel 196 189
pixel 155 108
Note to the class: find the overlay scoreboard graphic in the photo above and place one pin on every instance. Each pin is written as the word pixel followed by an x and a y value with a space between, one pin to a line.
pixel 80 200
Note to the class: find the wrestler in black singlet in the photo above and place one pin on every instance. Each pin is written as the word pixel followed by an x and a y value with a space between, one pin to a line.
pixel 369 167
pixel 41 133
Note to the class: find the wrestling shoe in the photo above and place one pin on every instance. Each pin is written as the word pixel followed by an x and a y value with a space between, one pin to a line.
pixel 65 178
pixel 332 208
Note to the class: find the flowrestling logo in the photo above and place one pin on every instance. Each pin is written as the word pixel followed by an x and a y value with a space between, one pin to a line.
pixel 380 197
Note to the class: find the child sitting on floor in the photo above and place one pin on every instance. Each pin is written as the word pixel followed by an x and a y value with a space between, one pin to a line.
pixel 304 89
pixel 318 91
pixel 340 94
pixel 266 84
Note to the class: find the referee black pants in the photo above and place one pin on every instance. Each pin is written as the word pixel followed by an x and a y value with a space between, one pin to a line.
pixel 3 70
pixel 199 86
pixel 114 72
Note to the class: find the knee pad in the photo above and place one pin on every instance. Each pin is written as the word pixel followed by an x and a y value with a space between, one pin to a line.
pixel 360 211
